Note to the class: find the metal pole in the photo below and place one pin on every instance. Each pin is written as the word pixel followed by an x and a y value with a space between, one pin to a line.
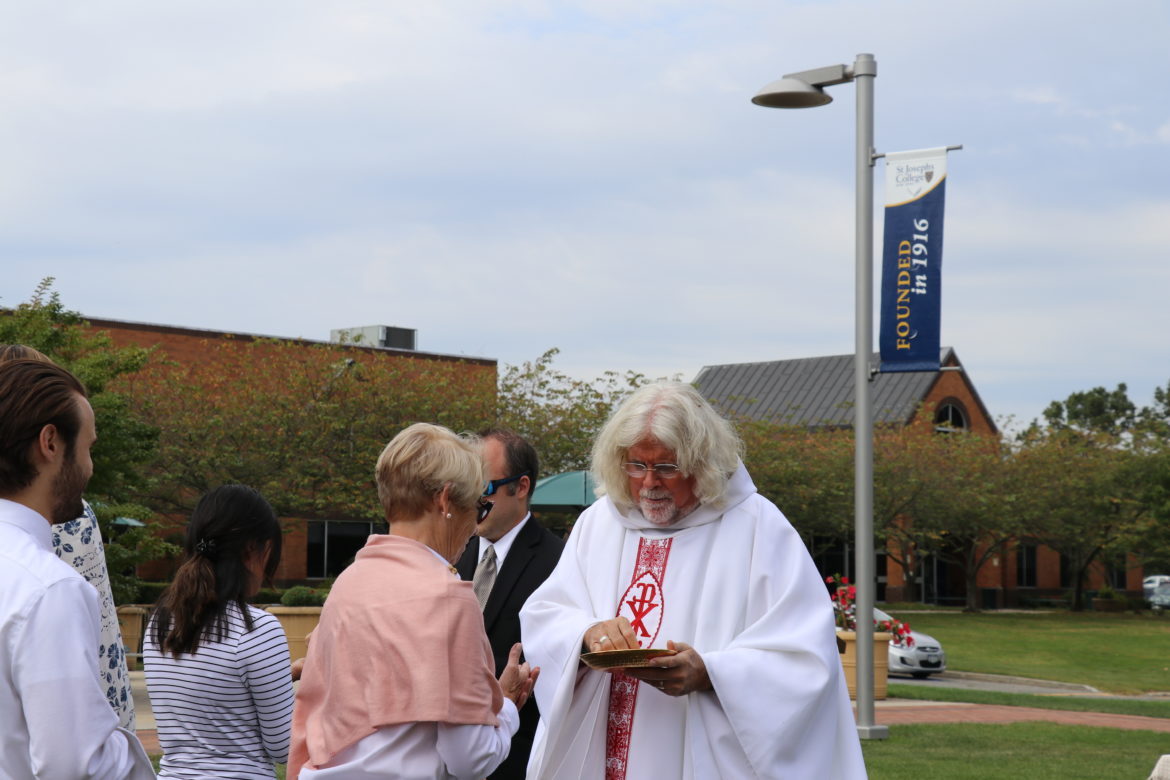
pixel 864 72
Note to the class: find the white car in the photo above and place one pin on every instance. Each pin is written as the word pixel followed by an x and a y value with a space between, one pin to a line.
pixel 924 658
pixel 1159 597
pixel 1151 583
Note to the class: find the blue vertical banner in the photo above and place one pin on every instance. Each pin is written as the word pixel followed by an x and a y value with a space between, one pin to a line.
pixel 916 186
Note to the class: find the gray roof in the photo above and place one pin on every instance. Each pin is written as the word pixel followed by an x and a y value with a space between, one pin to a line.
pixel 813 392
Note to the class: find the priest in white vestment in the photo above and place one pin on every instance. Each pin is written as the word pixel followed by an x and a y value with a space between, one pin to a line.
pixel 681 552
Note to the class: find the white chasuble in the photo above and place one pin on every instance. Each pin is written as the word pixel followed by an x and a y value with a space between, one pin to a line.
pixel 738 585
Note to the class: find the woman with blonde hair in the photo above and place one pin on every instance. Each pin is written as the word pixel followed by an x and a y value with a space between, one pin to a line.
pixel 399 678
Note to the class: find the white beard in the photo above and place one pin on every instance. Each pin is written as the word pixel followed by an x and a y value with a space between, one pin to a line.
pixel 659 512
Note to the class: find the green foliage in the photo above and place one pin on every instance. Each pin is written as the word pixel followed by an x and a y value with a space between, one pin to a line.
pixel 267 596
pixel 1094 410
pixel 301 423
pixel 808 474
pixel 148 592
pixel 1107 592
pixel 303 596
pixel 559 415
pixel 126 443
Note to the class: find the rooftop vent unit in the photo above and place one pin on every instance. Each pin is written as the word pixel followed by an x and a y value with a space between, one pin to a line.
pixel 376 336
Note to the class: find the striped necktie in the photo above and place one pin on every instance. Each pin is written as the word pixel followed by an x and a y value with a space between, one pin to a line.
pixel 485 576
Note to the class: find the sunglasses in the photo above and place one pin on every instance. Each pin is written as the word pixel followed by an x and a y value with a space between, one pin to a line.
pixel 483 509
pixel 496 484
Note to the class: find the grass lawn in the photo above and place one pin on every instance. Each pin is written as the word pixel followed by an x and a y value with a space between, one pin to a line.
pixel 1121 653
pixel 981 751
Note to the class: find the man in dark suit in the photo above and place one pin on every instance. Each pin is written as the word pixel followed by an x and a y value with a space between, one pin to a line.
pixel 510 555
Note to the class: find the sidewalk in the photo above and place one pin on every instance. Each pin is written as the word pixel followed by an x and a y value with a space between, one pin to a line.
pixel 143 715
pixel 888 712
pixel 899 712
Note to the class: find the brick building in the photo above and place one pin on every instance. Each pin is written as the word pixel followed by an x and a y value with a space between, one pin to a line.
pixel 321 543
pixel 817 393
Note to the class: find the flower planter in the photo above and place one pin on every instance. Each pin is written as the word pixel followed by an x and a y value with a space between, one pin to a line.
pixel 297 622
pixel 881 655
pixel 130 623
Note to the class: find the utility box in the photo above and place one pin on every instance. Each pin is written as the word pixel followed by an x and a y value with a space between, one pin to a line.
pixel 386 336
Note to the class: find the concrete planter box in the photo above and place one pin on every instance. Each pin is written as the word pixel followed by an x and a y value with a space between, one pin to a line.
pixel 297 622
pixel 881 657
pixel 131 621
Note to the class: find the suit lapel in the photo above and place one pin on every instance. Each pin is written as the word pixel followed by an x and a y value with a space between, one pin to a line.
pixel 523 549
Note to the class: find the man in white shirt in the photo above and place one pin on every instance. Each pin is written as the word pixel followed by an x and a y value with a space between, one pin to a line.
pixel 522 555
pixel 54 718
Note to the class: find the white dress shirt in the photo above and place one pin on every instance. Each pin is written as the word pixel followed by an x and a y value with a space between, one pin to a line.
pixel 55 722
pixel 503 544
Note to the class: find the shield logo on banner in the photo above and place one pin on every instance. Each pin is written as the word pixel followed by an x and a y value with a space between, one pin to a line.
pixel 642 605
pixel 929 175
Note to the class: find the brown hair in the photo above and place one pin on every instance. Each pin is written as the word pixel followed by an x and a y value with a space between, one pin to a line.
pixel 519 458
pixel 21 352
pixel 33 394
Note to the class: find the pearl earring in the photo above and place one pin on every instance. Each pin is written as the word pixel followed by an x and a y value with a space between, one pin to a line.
pixel 448 515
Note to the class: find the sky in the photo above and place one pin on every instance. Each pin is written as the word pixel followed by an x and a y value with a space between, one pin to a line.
pixel 510 177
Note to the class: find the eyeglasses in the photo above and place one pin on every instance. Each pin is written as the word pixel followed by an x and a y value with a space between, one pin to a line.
pixel 661 470
pixel 483 509
pixel 496 484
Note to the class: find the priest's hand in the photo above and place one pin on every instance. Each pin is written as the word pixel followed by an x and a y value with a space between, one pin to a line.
pixel 517 679
pixel 675 675
pixel 613 634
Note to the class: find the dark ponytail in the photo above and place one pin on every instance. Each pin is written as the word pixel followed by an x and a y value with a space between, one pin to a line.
pixel 229 524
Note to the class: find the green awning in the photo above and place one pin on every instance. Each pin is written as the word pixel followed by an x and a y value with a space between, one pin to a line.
pixel 129 522
pixel 572 490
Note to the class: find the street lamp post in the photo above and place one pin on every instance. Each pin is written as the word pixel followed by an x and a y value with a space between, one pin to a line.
pixel 806 90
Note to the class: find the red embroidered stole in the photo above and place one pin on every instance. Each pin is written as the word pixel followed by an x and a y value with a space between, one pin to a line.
pixel 643 605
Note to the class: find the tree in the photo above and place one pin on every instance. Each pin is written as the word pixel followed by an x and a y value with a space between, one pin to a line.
pixel 560 416
pixel 1082 502
pixel 301 423
pixel 1094 410
pixel 949 496
pixel 808 474
pixel 1099 460
pixel 126 443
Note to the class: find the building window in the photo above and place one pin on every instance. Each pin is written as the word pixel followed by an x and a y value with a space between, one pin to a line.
pixel 950 417
pixel 1066 572
pixel 1026 566
pixel 332 544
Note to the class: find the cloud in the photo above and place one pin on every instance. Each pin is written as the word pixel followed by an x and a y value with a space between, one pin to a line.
pixel 511 176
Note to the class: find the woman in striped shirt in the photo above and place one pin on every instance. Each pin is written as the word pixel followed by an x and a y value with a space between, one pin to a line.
pixel 217 668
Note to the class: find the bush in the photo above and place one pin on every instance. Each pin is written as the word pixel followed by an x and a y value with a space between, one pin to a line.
pixel 303 596
pixel 266 596
pixel 148 592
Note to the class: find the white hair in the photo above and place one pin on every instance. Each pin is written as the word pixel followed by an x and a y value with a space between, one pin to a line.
pixel 705 445
pixel 422 459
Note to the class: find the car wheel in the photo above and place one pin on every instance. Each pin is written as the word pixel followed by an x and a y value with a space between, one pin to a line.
pixel 920 675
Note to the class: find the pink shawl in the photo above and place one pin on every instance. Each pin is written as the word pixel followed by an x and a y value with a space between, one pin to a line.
pixel 400 641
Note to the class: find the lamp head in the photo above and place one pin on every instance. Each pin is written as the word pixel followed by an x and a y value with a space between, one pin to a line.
pixel 791 93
